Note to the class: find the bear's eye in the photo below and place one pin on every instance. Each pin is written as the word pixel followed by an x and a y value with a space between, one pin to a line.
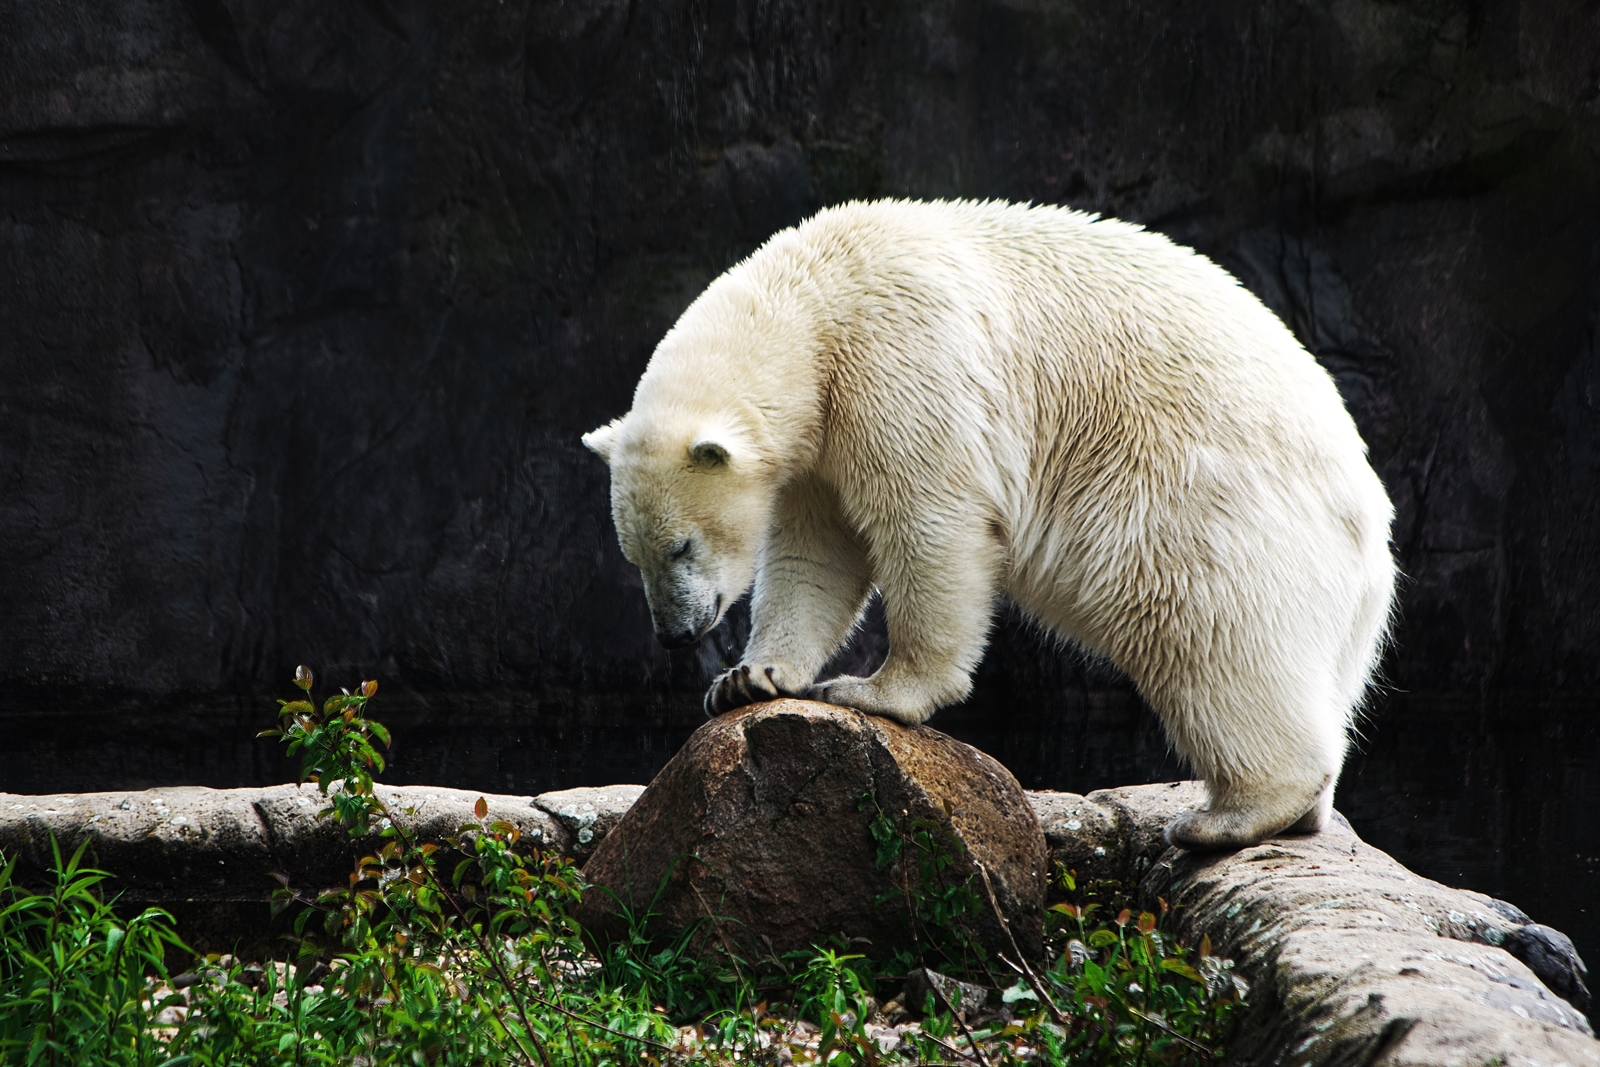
pixel 679 550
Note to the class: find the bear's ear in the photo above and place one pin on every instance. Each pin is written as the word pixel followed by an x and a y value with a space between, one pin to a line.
pixel 602 441
pixel 709 453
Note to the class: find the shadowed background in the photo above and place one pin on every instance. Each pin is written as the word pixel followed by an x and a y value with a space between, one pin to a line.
pixel 303 307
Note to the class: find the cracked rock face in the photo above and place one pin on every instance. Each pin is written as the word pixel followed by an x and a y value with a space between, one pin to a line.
pixel 764 819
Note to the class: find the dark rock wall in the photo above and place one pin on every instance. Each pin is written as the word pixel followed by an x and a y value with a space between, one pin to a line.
pixel 304 305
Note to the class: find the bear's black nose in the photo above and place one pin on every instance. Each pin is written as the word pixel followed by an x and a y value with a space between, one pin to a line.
pixel 681 639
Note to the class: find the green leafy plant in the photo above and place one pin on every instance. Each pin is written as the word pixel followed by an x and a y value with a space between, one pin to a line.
pixel 77 983
pixel 463 952
pixel 937 892
pixel 1139 992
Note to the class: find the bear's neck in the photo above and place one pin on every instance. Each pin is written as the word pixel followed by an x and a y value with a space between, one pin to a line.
pixel 754 351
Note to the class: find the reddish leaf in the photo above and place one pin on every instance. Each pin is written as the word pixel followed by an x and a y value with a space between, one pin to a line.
pixel 481 808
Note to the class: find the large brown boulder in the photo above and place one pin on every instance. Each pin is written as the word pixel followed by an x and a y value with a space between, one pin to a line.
pixel 765 820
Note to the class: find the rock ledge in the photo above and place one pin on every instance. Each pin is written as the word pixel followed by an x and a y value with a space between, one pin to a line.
pixel 1352 958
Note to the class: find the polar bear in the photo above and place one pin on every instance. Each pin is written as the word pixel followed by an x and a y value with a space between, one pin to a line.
pixel 951 401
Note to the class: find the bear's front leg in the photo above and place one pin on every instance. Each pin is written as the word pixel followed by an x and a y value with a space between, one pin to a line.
pixel 812 583
pixel 939 600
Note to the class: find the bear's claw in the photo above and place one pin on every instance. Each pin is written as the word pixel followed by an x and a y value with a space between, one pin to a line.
pixel 747 684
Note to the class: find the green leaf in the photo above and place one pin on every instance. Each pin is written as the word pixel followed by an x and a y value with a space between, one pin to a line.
pixel 1020 991
pixel 1177 966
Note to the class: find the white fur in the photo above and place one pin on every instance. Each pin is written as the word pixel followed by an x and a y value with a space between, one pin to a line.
pixel 950 401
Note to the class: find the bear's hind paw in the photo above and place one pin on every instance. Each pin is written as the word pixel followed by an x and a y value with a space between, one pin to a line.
pixel 865 694
pixel 1209 830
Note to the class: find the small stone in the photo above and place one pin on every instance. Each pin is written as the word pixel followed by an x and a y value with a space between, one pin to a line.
pixel 964 998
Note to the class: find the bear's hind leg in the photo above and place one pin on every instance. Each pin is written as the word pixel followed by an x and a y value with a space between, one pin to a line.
pixel 1318 815
pixel 1270 763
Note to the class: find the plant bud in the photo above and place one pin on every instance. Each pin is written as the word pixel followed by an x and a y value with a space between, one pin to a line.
pixel 302 677
pixel 369 687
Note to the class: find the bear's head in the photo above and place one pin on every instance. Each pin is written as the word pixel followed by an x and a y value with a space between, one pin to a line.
pixel 691 508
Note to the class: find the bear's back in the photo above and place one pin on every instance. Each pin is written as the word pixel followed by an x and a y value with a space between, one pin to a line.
pixel 1089 328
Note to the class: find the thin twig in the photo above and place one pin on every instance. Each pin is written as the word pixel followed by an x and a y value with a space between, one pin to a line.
pixel 961 1022
pixel 1021 966
pixel 585 1020
pixel 955 1051
pixel 1191 1042
pixel 590 1022
pixel 483 946
pixel 721 935
pixel 494 958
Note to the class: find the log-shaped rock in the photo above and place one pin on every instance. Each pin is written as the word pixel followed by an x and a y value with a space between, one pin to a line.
pixel 211 857
pixel 1351 958
pixel 759 836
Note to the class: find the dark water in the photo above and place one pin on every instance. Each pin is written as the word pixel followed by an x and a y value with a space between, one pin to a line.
pixel 1498 793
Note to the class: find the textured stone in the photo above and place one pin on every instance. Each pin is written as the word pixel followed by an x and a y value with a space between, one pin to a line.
pixel 964 998
pixel 209 856
pixel 1550 955
pixel 764 820
pixel 1351 958
pixel 588 813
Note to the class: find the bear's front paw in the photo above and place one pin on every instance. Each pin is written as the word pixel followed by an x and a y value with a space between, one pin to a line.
pixel 751 683
pixel 865 694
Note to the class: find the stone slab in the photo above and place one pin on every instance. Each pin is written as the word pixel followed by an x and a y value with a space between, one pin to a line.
pixel 1351 957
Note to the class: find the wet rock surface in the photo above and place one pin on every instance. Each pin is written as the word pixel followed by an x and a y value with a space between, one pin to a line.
pixel 1351 957
pixel 765 821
